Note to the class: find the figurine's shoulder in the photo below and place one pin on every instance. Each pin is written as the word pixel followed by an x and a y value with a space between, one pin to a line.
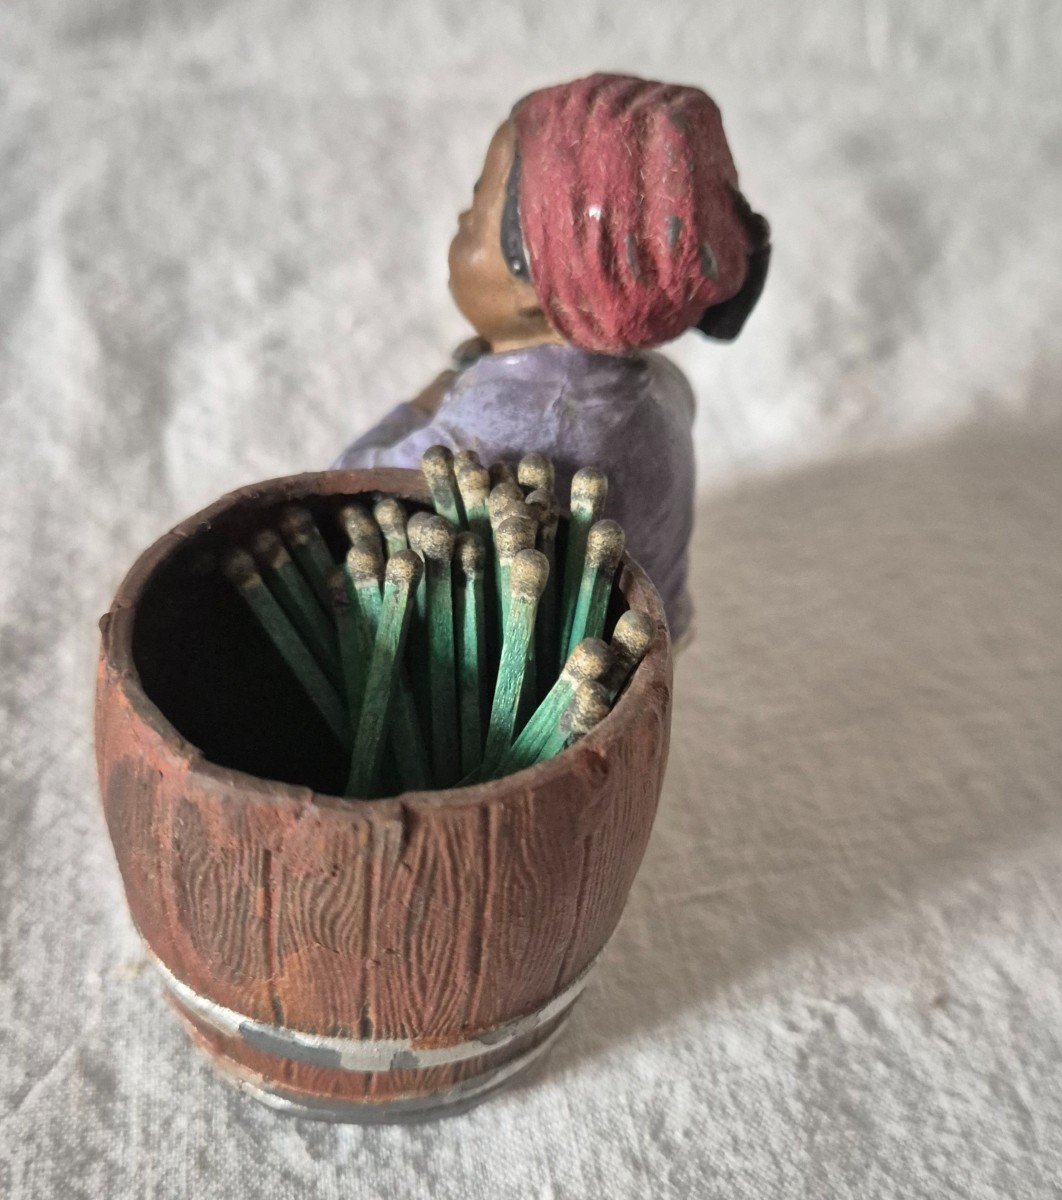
pixel 667 382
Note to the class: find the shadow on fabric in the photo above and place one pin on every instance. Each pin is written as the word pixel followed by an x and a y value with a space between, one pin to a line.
pixel 865 722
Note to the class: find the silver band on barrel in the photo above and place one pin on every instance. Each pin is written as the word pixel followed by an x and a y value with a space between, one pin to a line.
pixel 363 1054
pixel 450 1101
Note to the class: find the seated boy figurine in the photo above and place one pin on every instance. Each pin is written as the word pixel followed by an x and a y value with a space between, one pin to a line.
pixel 607 221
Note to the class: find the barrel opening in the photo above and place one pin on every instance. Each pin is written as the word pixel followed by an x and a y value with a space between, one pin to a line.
pixel 215 676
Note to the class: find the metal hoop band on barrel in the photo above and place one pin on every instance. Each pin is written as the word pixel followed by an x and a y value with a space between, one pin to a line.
pixel 407 1109
pixel 370 1055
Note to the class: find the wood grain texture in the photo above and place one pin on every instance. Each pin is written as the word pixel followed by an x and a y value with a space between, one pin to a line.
pixel 431 916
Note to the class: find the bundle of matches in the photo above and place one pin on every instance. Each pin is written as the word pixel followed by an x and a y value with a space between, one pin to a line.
pixel 457 646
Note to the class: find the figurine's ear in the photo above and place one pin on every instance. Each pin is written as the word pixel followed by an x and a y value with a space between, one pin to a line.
pixel 725 321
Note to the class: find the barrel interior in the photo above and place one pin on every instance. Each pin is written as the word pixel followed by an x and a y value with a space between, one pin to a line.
pixel 215 676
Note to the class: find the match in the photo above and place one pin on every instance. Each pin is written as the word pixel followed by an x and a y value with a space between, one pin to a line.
pixel 527 578
pixel 589 489
pixel 382 680
pixel 604 549
pixel 242 571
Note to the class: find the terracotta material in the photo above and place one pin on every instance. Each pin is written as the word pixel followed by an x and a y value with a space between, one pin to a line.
pixel 430 918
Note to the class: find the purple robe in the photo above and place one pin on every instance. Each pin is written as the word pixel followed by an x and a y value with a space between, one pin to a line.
pixel 631 417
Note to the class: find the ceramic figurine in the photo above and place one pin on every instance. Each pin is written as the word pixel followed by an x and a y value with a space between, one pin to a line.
pixel 607 221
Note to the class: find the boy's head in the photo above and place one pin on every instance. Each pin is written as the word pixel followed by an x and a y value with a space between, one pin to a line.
pixel 608 215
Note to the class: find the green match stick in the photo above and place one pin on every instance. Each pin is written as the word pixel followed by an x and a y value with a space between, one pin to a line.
pixel 590 660
pixel 354 648
pixel 437 541
pixel 589 488
pixel 527 577
pixel 437 463
pixel 242 571
pixel 383 680
pixel 543 503
pixel 296 598
pixel 470 560
pixel 631 640
pixel 604 549
pixel 502 472
pixel 535 471
pixel 588 706
pixel 364 570
pixel 473 483
pixel 511 536
pixel 308 549
pixel 391 518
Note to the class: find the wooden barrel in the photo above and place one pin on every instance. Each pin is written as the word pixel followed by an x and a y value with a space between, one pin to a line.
pixel 352 960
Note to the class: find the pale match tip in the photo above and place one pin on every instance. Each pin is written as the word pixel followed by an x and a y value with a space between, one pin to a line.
pixel 415 527
pixel 528 573
pixel 590 659
pixel 474 481
pixel 437 538
pixel 470 554
pixel 356 521
pixel 364 561
pixel 604 544
pixel 436 461
pixel 268 548
pixel 296 520
pixel 514 534
pixel 589 706
pixel 389 513
pixel 240 568
pixel 589 485
pixel 337 588
pixel 404 569
pixel 535 471
pixel 634 634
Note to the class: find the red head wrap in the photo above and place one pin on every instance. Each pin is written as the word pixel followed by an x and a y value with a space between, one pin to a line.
pixel 629 209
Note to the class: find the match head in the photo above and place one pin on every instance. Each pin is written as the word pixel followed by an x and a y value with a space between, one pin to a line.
pixel 415 527
pixel 508 488
pixel 589 488
pixel 296 522
pixel 365 563
pixel 464 459
pixel 633 635
pixel 436 537
pixel 336 584
pixel 269 549
pixel 241 569
pixel 535 471
pixel 589 706
pixel 528 574
pixel 470 554
pixel 473 481
pixel 543 506
pixel 512 535
pixel 502 472
pixel 436 462
pixel 356 522
pixel 604 545
pixel 404 569
pixel 590 660
pixel 390 516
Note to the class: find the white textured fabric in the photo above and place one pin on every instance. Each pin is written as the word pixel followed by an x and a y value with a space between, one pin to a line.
pixel 222 255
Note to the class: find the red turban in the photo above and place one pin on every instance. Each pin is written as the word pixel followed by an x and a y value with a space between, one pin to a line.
pixel 629 209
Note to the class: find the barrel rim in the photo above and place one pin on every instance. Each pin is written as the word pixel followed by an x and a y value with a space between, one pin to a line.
pixel 116 660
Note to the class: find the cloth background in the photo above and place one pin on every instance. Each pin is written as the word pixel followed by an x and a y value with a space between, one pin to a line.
pixel 222 255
